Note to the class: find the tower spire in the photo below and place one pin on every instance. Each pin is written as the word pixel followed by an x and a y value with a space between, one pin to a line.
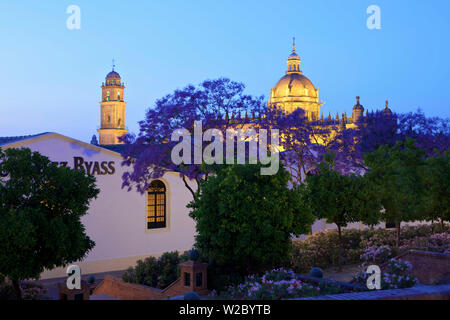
pixel 293 60
pixel 113 64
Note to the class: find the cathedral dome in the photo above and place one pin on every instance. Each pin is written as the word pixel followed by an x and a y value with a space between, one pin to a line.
pixel 294 90
pixel 294 85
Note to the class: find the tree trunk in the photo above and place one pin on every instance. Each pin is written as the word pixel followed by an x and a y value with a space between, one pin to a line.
pixel 188 187
pixel 17 290
pixel 398 234
pixel 442 224
pixel 339 247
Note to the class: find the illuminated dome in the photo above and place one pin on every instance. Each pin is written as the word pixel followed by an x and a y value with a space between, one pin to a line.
pixel 295 91
pixel 295 85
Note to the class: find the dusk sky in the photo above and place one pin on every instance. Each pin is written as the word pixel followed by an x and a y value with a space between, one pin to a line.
pixel 50 76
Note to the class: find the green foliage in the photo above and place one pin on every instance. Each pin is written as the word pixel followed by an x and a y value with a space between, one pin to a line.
pixel 436 177
pixel 395 174
pixel 340 199
pixel 157 273
pixel 40 210
pixel 245 220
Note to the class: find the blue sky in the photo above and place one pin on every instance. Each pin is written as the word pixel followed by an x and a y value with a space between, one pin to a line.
pixel 50 76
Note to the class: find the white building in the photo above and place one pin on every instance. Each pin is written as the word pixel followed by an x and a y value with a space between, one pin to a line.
pixel 118 220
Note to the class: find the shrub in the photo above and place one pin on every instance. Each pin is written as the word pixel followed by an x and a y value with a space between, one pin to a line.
pixel 278 284
pixel 365 246
pixel 32 291
pixel 377 255
pixel 153 272
pixel 321 250
pixel 436 243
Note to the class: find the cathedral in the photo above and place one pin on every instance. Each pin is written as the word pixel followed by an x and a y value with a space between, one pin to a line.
pixel 293 91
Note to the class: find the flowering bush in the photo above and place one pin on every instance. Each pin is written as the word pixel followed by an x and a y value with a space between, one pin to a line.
pixel 398 277
pixel 321 250
pixel 278 284
pixel 436 242
pixel 32 291
pixel 377 254
pixel 366 246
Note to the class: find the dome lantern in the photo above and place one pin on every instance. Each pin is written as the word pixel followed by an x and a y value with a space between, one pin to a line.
pixel 293 61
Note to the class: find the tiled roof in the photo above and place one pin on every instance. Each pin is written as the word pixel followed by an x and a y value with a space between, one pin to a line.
pixel 8 140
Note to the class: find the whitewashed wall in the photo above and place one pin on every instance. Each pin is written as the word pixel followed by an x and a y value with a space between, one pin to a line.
pixel 116 220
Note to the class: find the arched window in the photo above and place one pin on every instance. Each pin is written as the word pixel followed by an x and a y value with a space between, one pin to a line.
pixel 156 205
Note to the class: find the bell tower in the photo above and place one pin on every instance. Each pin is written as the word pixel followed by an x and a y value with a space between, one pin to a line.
pixel 112 110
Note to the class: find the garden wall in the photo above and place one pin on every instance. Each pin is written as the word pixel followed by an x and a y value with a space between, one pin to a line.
pixel 420 292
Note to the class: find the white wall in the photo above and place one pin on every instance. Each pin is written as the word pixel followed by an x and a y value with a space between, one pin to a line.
pixel 117 219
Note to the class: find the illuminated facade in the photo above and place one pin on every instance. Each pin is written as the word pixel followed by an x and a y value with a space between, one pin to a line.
pixel 294 90
pixel 112 110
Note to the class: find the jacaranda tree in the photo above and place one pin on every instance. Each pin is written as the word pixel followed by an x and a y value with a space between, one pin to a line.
pixel 40 210
pixel 218 104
